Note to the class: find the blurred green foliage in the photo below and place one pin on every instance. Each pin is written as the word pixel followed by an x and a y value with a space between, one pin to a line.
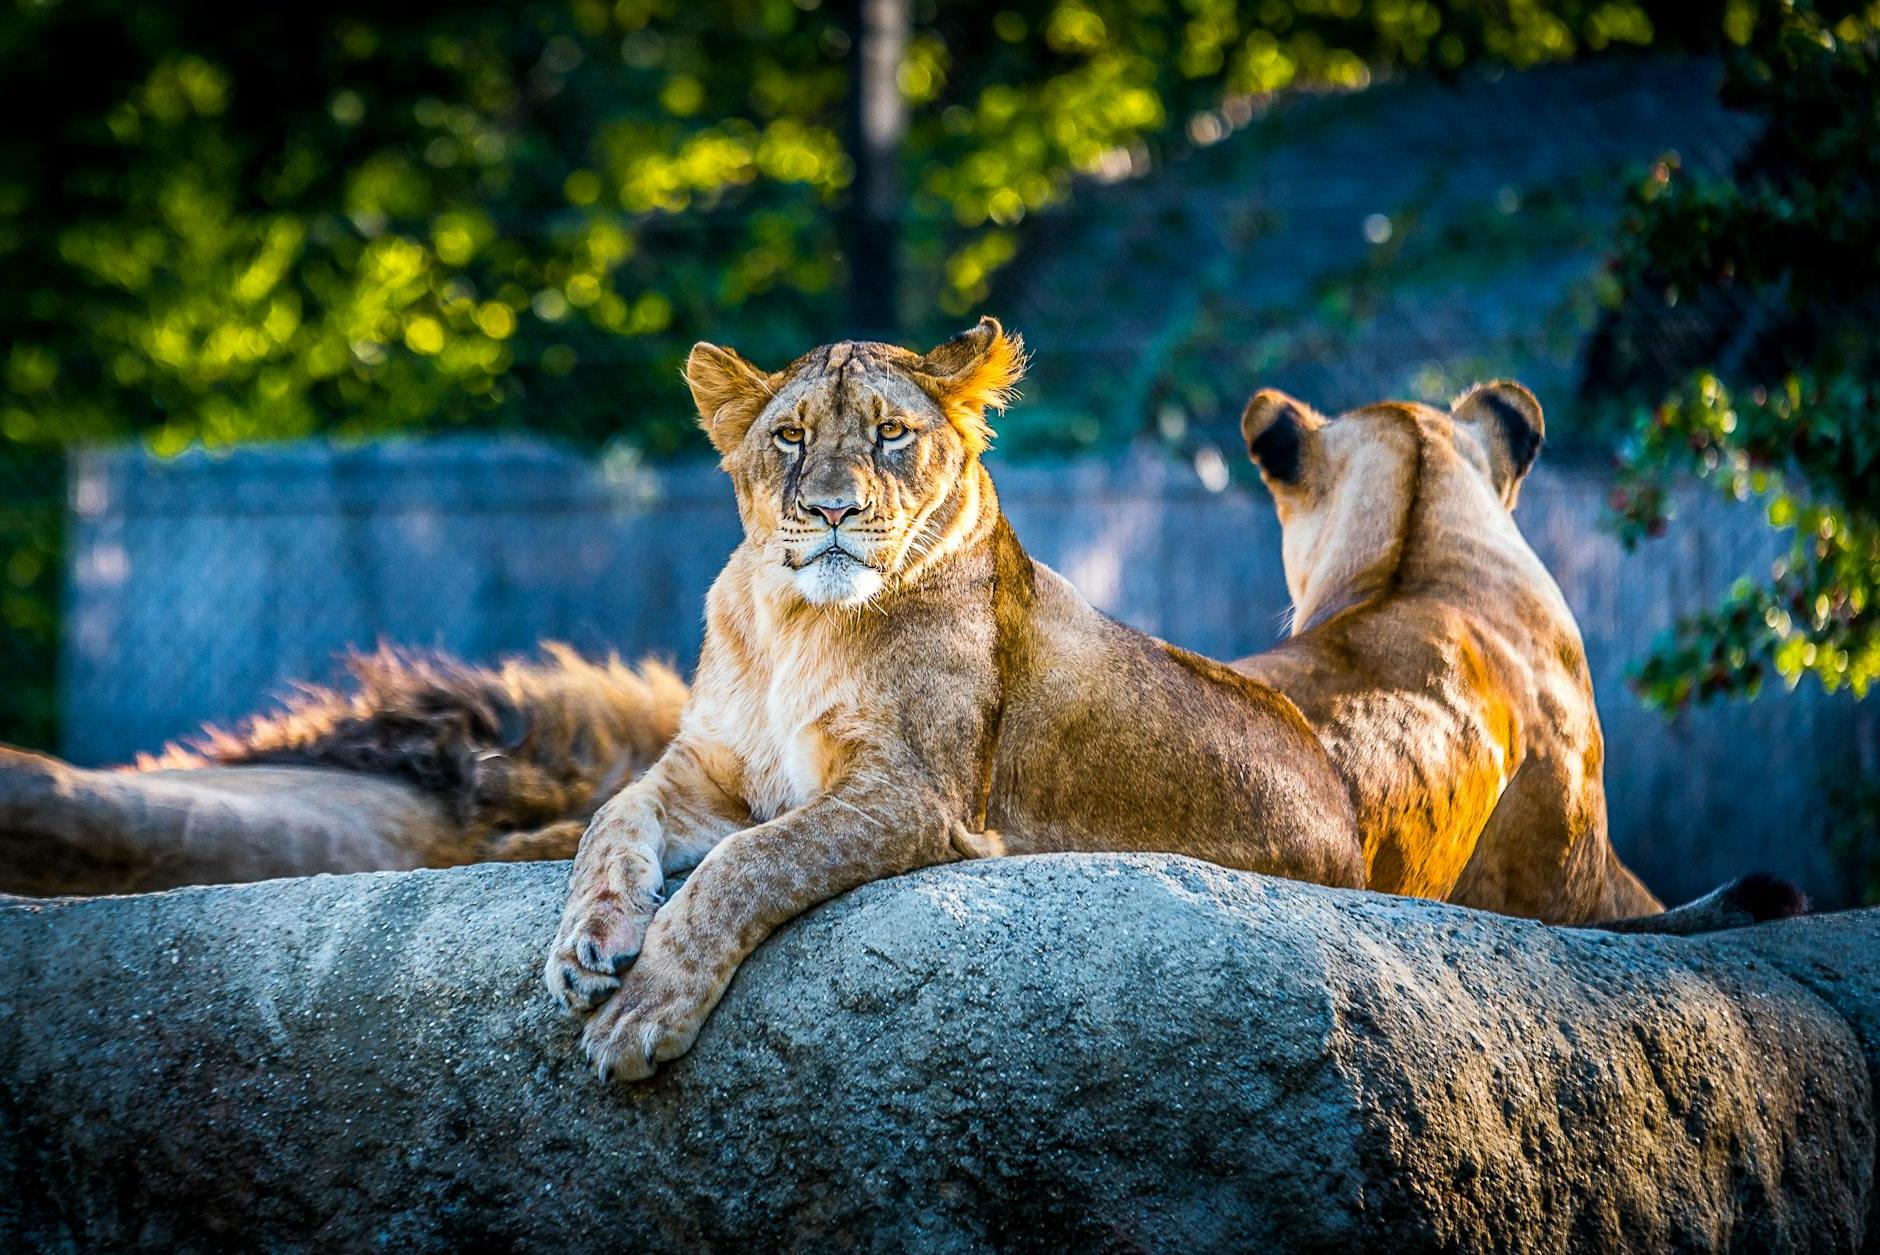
pixel 1780 268
pixel 1782 263
pixel 235 223
pixel 224 222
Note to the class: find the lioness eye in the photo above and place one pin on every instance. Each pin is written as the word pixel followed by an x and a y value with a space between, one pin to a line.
pixel 790 435
pixel 890 431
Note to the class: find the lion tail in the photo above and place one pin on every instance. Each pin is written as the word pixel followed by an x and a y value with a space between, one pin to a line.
pixel 1754 899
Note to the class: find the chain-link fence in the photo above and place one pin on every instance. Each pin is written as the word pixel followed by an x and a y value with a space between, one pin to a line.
pixel 1404 241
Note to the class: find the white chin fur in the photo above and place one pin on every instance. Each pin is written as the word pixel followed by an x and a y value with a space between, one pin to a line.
pixel 837 581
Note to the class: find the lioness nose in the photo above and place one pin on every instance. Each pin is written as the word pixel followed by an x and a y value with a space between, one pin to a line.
pixel 834 511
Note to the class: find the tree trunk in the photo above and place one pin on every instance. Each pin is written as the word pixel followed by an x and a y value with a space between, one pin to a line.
pixel 877 123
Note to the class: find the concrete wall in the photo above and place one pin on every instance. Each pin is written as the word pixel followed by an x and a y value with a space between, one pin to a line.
pixel 201 586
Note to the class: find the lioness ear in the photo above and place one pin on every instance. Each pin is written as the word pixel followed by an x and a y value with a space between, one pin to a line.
pixel 729 393
pixel 1510 421
pixel 1276 427
pixel 973 372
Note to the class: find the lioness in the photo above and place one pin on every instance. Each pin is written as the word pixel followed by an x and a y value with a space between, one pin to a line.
pixel 888 682
pixel 1435 656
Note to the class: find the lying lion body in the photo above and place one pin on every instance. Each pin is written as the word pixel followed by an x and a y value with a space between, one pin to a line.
pixel 420 762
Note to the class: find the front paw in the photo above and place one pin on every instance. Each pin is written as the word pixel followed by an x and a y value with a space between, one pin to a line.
pixel 611 902
pixel 653 1018
pixel 600 935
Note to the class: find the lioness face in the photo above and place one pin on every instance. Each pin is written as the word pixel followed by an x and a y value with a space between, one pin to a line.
pixel 846 462
pixel 840 470
pixel 1343 486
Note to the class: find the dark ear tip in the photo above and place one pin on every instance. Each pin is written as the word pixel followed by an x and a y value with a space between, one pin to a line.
pixel 1263 408
pixel 984 332
pixel 1508 394
pixel 1515 412
pixel 1271 425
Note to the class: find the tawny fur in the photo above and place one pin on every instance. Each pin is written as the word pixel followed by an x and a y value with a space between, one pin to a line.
pixel 509 748
pixel 1436 657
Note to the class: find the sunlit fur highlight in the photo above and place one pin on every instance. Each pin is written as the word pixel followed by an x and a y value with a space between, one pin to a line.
pixel 989 383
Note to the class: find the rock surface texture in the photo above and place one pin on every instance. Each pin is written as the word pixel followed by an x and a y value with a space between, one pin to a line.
pixel 1103 1053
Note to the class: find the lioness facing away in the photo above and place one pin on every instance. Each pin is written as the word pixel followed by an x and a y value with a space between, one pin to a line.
pixel 1442 669
pixel 888 682
pixel 1435 656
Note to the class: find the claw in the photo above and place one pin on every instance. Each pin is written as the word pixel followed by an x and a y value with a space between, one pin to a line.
pixel 578 989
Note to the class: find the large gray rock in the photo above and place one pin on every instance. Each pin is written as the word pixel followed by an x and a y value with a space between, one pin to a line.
pixel 1116 1053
